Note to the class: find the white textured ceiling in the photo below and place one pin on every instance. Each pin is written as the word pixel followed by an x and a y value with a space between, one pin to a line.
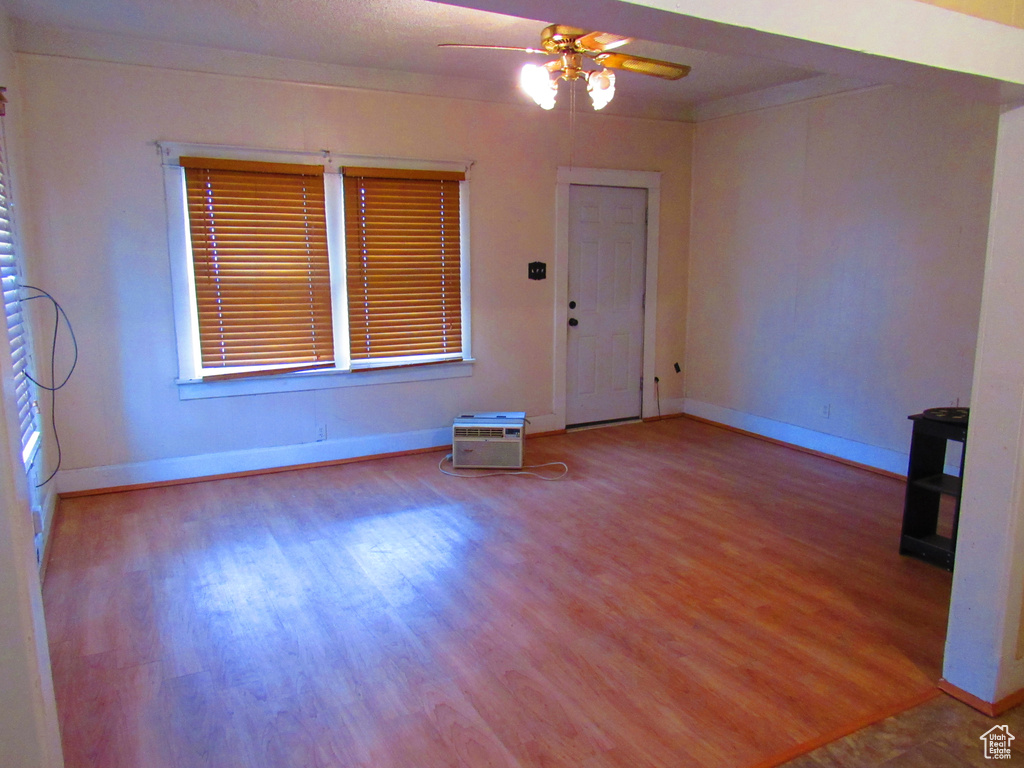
pixel 399 37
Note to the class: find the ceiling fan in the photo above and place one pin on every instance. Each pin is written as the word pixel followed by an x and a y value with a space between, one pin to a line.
pixel 572 45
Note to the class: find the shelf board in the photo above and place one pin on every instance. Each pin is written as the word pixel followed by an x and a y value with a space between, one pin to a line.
pixel 933 548
pixel 941 483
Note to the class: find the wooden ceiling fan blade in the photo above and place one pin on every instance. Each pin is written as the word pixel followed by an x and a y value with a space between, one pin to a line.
pixel 601 41
pixel 492 47
pixel 644 66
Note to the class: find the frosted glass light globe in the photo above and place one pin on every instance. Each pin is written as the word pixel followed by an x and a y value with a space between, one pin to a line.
pixel 536 81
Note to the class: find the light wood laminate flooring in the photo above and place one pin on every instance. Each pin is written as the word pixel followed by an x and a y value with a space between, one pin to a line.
pixel 686 596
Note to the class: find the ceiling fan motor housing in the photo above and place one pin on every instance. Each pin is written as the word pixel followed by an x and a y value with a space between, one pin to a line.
pixel 559 38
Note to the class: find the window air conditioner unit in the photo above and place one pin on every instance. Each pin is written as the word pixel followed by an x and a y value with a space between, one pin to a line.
pixel 488 440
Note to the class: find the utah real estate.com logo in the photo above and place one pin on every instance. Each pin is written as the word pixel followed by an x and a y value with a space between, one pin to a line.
pixel 997 742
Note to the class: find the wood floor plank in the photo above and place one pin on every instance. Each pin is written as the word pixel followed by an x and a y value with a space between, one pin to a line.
pixel 198 724
pixel 686 596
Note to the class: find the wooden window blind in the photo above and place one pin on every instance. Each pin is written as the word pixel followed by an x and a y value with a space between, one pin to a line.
pixel 259 252
pixel 403 263
pixel 16 334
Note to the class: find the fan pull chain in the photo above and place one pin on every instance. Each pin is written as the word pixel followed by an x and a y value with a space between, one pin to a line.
pixel 572 122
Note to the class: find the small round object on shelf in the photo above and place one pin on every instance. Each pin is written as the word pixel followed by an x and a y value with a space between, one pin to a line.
pixel 948 415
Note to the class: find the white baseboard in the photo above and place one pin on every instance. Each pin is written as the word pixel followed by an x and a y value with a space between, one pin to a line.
pixel 671 406
pixel 256 459
pixel 249 460
pixel 840 447
pixel 547 422
pixel 49 508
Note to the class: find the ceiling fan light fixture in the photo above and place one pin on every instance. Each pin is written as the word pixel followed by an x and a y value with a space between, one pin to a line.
pixel 570 48
pixel 541 87
pixel 601 87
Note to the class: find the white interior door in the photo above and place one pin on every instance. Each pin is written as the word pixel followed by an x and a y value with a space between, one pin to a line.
pixel 604 360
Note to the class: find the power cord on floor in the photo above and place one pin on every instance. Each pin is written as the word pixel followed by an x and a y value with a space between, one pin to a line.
pixel 523 471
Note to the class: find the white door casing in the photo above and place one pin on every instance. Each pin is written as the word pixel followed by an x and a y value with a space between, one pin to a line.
pixel 651 181
pixel 604 356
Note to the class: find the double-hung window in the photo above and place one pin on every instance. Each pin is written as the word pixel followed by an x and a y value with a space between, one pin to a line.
pixel 305 268
pixel 258 235
pixel 28 423
pixel 403 259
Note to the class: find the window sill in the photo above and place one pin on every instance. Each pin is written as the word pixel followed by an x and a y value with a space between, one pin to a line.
pixel 196 389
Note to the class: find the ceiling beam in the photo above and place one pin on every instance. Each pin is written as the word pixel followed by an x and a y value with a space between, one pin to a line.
pixel 879 41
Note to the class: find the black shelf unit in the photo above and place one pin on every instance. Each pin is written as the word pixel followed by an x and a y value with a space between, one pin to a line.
pixel 927 483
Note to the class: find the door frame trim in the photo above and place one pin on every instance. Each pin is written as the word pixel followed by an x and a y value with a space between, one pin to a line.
pixel 602 177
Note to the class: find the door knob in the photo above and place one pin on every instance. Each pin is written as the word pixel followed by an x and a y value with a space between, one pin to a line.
pixel 573 322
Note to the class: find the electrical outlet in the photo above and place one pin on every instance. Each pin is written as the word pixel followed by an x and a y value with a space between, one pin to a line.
pixel 321 432
pixel 826 410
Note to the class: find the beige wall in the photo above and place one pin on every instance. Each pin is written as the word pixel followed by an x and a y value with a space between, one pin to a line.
pixel 836 263
pixel 29 734
pixel 98 230
pixel 1004 11
pixel 983 653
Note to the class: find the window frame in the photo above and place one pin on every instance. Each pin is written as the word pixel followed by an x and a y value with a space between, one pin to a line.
pixel 15 316
pixel 366 179
pixel 191 382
